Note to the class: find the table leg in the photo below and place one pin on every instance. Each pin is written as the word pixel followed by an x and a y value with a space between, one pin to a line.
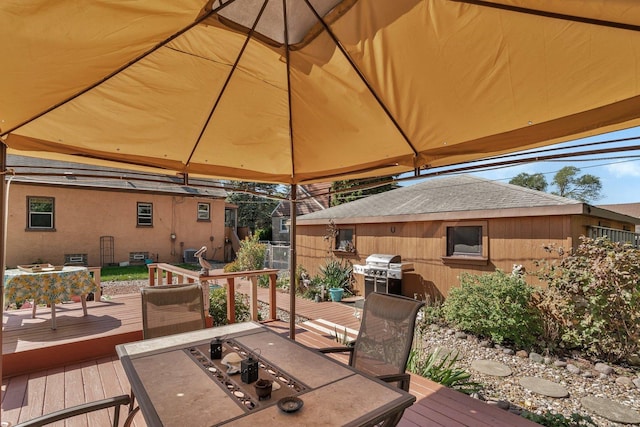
pixel 83 299
pixel 53 316
pixel 254 298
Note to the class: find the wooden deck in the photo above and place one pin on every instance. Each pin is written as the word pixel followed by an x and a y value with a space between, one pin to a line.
pixel 47 370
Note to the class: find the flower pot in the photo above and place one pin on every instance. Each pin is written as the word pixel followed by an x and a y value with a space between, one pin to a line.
pixel 336 294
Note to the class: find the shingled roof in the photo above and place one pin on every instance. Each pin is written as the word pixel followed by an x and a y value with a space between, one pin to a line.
pixel 465 195
pixel 311 198
pixel 32 170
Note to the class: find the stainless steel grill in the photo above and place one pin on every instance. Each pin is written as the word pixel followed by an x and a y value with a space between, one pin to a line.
pixel 383 273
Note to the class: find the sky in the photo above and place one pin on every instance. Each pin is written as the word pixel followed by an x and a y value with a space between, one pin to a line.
pixel 619 172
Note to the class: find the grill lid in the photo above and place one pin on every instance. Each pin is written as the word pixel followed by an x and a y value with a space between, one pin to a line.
pixel 382 260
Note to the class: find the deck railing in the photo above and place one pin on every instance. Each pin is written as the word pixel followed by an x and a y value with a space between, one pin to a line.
pixel 621 236
pixel 160 273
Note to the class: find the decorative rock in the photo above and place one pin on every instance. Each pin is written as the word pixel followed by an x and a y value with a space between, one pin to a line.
pixel 547 360
pixel 491 367
pixel 636 382
pixel 535 357
pixel 450 332
pixel 502 404
pixel 624 382
pixel 573 369
pixel 543 387
pixel 498 347
pixel 521 353
pixel 508 351
pixel 587 374
pixel 603 376
pixel 604 368
pixel 461 335
pixel 611 410
pixel 485 343
pixel 434 327
pixel 560 363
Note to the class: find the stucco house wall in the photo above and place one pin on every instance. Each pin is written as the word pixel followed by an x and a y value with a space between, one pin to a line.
pixel 87 209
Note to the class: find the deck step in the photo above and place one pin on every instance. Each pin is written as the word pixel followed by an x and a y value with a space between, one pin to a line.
pixel 329 329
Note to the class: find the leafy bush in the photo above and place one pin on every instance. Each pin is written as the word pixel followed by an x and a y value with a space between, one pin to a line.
pixel 440 368
pixel 251 254
pixel 549 419
pixel 431 313
pixel 218 307
pixel 497 305
pixel 337 274
pixel 593 299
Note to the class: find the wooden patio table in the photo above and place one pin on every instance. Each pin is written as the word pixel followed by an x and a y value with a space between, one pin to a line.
pixel 176 384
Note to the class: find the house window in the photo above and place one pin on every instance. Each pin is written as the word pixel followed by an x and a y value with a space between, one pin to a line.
pixel 41 211
pixel 466 242
pixel 145 214
pixel 344 240
pixel 204 211
pixel 284 225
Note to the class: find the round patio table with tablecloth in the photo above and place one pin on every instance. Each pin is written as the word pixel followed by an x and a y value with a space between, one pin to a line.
pixel 48 287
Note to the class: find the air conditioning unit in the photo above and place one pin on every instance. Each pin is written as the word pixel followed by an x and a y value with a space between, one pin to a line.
pixel 189 257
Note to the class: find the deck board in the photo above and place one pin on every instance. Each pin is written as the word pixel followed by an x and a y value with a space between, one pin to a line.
pixel 43 391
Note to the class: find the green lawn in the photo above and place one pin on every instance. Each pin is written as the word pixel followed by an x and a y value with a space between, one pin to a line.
pixel 133 272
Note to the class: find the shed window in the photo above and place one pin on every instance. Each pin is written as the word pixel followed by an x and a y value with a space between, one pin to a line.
pixel 284 225
pixel 204 211
pixel 465 240
pixel 344 240
pixel 41 210
pixel 145 214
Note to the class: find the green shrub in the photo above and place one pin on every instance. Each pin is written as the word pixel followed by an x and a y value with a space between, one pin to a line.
pixel 440 368
pixel 431 313
pixel 495 305
pixel 593 299
pixel 218 307
pixel 251 254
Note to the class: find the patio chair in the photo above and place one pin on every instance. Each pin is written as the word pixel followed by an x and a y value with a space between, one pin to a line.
pixel 384 341
pixel 168 310
pixel 171 309
pixel 85 408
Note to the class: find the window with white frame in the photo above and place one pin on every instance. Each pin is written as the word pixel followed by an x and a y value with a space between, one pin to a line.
pixel 41 213
pixel 284 225
pixel 204 211
pixel 145 214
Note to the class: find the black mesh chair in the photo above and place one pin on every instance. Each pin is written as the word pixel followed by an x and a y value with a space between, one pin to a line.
pixel 168 310
pixel 85 408
pixel 384 341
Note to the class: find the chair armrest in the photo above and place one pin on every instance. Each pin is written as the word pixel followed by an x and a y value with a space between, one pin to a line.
pixel 339 350
pixel 403 380
pixel 84 408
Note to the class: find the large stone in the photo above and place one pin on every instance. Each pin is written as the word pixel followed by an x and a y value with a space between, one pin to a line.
pixel 573 369
pixel 604 368
pixel 543 387
pixel 535 357
pixel 491 367
pixel 625 382
pixel 636 382
pixel 611 410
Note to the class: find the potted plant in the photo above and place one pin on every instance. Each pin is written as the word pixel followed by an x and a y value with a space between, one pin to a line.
pixel 336 276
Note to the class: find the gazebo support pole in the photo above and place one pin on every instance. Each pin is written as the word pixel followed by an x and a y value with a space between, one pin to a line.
pixel 3 231
pixel 293 210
